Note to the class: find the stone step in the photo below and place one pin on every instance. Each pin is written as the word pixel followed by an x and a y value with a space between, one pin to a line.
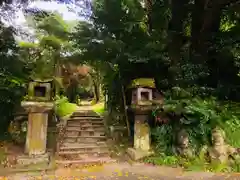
pixel 88 150
pixel 85 133
pixel 86 125
pixel 80 140
pixel 84 119
pixel 80 118
pixel 85 114
pixel 78 144
pixel 83 130
pixel 88 140
pixel 86 161
pixel 72 130
pixel 83 155
pixel 88 137
pixel 84 148
pixel 87 128
pixel 82 123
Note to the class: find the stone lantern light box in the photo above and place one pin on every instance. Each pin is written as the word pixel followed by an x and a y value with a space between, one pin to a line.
pixel 39 90
pixel 144 92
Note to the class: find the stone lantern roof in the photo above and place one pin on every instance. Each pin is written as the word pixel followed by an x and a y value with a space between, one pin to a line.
pixel 142 83
pixel 48 80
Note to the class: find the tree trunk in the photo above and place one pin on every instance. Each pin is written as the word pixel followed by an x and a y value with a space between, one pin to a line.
pixel 96 92
pixel 125 106
pixel 148 7
pixel 205 24
pixel 57 69
pixel 176 34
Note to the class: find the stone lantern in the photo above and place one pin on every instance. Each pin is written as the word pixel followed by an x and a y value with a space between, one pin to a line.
pixel 38 105
pixel 144 96
pixel 40 90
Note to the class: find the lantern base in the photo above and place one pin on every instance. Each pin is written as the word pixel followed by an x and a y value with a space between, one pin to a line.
pixel 136 154
pixel 28 160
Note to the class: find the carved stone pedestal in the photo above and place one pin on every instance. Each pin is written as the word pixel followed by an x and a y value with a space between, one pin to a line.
pixel 26 160
pixel 36 139
pixel 141 138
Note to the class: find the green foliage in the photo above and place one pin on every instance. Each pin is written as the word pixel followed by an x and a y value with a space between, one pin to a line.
pixel 198 116
pixel 160 41
pixel 194 164
pixel 114 46
pixel 18 131
pixel 164 132
pixel 236 166
pixel 163 159
pixel 53 45
pixel 99 108
pixel 142 82
pixel 63 107
pixel 3 155
pixel 232 131
pixel 13 73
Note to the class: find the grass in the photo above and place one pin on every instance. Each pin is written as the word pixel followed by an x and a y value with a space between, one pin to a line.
pixel 65 109
pixel 194 164
pixel 162 159
pixel 99 108
pixel 3 155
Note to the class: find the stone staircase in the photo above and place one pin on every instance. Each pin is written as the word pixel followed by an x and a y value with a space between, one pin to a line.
pixel 83 141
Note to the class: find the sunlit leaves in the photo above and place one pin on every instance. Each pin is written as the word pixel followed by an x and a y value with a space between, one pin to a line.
pixel 51 41
pixel 54 25
pixel 27 45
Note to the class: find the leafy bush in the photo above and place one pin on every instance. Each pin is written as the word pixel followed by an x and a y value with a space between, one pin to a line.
pixel 163 139
pixel 99 108
pixel 198 116
pixel 63 107
pixel 18 131
pixel 163 159
pixel 13 73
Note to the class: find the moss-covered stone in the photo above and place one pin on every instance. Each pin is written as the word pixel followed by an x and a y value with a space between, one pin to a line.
pixel 142 82
pixel 31 91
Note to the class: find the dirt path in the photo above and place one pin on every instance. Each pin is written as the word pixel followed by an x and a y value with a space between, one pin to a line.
pixel 121 171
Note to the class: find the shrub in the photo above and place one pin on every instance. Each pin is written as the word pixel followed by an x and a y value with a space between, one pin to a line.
pixel 18 131
pixel 63 107
pixel 99 108
pixel 163 159
pixel 198 116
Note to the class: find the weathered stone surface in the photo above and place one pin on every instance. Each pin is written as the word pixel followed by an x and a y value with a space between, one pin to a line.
pixel 36 139
pixel 37 159
pixel 37 107
pixel 141 133
pixel 117 133
pixel 36 134
pixel 136 154
pixel 84 135
pixel 219 149
pixel 183 148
